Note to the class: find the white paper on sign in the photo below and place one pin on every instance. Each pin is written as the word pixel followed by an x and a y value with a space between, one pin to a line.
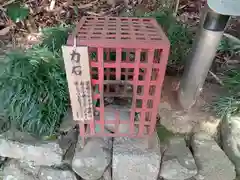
pixel 77 68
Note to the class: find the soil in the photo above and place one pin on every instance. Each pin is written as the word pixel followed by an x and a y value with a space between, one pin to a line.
pixel 177 121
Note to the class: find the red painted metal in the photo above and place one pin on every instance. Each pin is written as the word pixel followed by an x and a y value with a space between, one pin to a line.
pixel 124 52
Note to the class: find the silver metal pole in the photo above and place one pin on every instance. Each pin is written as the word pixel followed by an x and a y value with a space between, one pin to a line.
pixel 201 57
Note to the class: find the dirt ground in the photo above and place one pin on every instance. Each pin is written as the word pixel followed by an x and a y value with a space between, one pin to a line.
pixel 198 118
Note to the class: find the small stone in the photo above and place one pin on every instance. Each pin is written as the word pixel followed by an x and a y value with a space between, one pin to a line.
pixel 47 173
pixel 177 161
pixel 211 161
pixel 15 170
pixel 125 12
pixel 91 161
pixel 136 158
pixel 20 170
pixel 230 129
pixel 68 144
pixel 124 115
pixel 22 146
pixel 110 115
pixel 109 100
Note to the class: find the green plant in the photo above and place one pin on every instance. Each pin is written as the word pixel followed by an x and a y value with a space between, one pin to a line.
pixel 54 37
pixel 179 36
pixel 229 104
pixel 33 87
pixel 233 42
pixel 17 11
pixel 229 45
pixel 232 81
pixel 224 46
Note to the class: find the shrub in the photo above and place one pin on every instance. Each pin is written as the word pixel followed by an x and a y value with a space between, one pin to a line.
pixel 33 87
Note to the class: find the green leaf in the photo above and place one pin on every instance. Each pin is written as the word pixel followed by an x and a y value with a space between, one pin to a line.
pixel 17 12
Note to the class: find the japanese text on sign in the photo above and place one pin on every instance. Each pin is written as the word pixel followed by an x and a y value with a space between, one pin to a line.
pixel 76 62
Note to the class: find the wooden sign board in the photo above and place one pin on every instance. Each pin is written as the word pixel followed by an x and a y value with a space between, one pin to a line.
pixel 77 68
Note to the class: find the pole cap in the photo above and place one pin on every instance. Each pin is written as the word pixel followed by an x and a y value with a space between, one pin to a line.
pixel 225 7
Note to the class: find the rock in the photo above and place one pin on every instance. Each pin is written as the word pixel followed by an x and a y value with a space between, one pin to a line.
pixel 177 161
pixel 1 174
pixel 177 120
pixel 68 144
pixel 91 161
pixel 2 164
pixel 28 167
pixel 109 114
pixel 107 174
pixel 126 12
pixel 16 170
pixel 230 128
pixel 211 161
pixel 20 170
pixel 180 121
pixel 67 122
pixel 2 161
pixel 209 126
pixel 46 173
pixel 22 146
pixel 136 158
pixel 164 134
pixel 237 178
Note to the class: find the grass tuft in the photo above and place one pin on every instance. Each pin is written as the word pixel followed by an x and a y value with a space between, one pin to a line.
pixel 33 87
pixel 230 104
pixel 227 106
pixel 54 37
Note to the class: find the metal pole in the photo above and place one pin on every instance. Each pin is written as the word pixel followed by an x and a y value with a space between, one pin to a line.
pixel 201 56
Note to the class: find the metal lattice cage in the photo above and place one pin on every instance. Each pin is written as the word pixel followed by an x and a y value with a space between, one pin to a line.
pixel 128 58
